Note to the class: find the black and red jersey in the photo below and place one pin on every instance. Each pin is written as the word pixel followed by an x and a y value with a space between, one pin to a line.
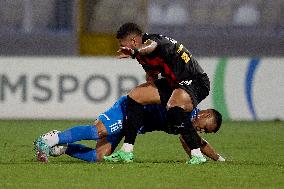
pixel 170 59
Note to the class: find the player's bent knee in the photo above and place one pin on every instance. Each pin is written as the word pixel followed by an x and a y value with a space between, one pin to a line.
pixel 100 157
pixel 103 148
pixel 186 106
pixel 173 105
pixel 145 94
pixel 134 95
pixel 102 131
pixel 101 154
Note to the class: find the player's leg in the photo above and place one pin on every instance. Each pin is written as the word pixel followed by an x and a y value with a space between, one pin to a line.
pixel 104 146
pixel 78 133
pixel 108 144
pixel 178 104
pixel 108 123
pixel 74 134
pixel 146 93
pixel 119 155
pixel 183 100
pixel 82 152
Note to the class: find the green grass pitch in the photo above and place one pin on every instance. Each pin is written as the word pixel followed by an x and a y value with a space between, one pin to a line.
pixel 254 153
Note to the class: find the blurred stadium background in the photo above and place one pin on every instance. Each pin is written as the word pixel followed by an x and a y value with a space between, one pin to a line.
pixel 231 37
pixel 67 27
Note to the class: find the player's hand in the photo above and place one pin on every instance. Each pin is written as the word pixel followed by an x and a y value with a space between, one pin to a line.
pixel 123 56
pixel 125 52
pixel 221 158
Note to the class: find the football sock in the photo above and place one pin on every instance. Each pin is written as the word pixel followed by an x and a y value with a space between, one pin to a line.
pixel 134 120
pixel 127 147
pixel 51 138
pixel 82 152
pixel 180 123
pixel 190 136
pixel 196 152
pixel 74 134
pixel 175 119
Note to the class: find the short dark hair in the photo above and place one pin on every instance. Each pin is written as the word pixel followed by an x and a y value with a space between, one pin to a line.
pixel 127 29
pixel 218 119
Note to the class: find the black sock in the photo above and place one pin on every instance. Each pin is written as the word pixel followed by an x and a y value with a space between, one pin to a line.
pixel 134 120
pixel 190 136
pixel 175 119
pixel 180 123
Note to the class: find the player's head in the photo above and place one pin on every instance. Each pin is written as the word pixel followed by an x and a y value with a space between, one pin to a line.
pixel 208 121
pixel 129 35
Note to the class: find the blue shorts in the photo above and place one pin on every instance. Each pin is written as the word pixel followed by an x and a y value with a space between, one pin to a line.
pixel 113 119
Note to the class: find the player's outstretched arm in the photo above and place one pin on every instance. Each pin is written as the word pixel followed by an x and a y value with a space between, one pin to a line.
pixel 209 151
pixel 205 148
pixel 148 47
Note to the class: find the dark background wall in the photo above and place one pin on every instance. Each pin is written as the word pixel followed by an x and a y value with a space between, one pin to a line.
pixel 207 28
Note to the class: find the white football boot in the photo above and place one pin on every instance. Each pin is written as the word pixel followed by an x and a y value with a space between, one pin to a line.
pixel 44 143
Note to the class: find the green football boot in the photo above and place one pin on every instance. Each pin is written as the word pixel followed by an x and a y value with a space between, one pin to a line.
pixel 195 160
pixel 120 156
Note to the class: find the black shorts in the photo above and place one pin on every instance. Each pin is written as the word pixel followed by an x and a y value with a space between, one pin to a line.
pixel 198 88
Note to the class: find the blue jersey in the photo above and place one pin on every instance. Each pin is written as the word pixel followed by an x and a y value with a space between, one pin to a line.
pixel 154 119
pixel 114 116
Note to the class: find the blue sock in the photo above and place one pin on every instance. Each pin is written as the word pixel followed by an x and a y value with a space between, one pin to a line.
pixel 74 134
pixel 82 152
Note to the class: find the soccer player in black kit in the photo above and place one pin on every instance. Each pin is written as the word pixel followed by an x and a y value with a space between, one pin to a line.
pixel 183 84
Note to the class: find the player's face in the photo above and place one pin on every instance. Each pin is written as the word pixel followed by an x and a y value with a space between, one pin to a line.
pixel 131 41
pixel 204 122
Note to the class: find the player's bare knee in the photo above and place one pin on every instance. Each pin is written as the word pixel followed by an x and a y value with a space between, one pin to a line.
pixel 102 132
pixel 188 107
pixel 145 94
pixel 134 95
pixel 172 104
pixel 138 97
pixel 104 151
pixel 100 156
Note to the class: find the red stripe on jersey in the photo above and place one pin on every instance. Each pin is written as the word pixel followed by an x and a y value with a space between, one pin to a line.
pixel 169 74
pixel 153 62
pixel 158 65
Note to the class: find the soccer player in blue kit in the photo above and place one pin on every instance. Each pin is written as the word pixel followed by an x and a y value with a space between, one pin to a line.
pixel 108 131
